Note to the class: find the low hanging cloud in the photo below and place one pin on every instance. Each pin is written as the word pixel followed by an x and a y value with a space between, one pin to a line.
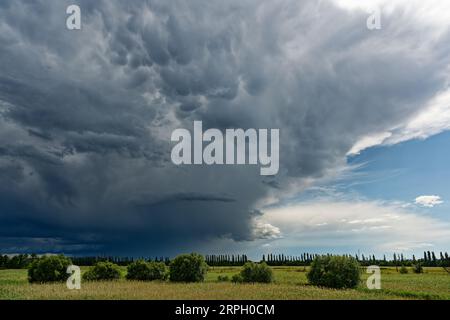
pixel 428 201
pixel 86 116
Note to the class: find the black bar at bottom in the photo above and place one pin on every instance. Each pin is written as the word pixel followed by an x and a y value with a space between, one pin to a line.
pixel 229 309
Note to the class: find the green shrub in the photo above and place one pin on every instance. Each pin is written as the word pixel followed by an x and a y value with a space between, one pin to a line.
pixel 403 270
pixel 49 269
pixel 188 268
pixel 102 271
pixel 146 271
pixel 223 278
pixel 237 278
pixel 417 268
pixel 334 272
pixel 256 272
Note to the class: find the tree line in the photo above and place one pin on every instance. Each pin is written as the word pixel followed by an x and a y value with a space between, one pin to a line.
pixel 20 261
pixel 226 260
pixel 428 259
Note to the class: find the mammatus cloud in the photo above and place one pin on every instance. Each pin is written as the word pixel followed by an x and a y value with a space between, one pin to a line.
pixel 86 116
pixel 428 201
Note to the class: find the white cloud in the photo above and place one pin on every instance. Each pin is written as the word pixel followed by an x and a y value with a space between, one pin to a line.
pixel 369 141
pixel 434 119
pixel 377 226
pixel 263 230
pixel 428 201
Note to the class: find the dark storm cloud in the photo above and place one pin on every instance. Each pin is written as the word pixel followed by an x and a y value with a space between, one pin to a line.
pixel 86 116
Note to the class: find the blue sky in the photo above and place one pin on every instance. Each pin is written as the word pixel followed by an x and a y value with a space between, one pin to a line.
pixel 405 171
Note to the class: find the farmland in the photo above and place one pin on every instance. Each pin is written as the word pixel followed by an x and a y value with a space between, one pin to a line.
pixel 290 283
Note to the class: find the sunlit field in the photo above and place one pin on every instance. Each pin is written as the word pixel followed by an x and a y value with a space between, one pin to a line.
pixel 290 283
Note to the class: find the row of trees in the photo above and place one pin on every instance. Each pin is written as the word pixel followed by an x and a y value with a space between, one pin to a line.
pixel 226 260
pixel 121 261
pixel 20 261
pixel 429 259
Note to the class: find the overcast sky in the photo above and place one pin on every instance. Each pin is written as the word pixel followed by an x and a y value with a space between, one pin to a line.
pixel 86 117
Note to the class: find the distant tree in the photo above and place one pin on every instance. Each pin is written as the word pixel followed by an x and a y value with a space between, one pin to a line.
pixel 256 272
pixel 4 261
pixel 102 271
pixel 188 268
pixel 49 269
pixel 395 262
pixel 334 272
pixel 403 270
pixel 146 271
pixel 417 268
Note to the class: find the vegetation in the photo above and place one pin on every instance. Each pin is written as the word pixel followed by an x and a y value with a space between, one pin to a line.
pixel 19 261
pixel 334 272
pixel 289 283
pixel 221 278
pixel 417 268
pixel 429 259
pixel 403 270
pixel 188 268
pixel 49 269
pixel 237 278
pixel 292 277
pixel 226 260
pixel 305 259
pixel 256 272
pixel 146 271
pixel 102 271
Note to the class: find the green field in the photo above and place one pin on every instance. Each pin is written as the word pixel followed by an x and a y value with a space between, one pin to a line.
pixel 290 283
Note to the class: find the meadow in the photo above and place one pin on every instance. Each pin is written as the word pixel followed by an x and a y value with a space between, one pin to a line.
pixel 290 283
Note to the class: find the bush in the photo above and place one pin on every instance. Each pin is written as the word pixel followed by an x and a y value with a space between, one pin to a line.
pixel 237 278
pixel 417 268
pixel 49 269
pixel 102 271
pixel 256 272
pixel 188 268
pixel 403 270
pixel 146 271
pixel 334 272
pixel 223 278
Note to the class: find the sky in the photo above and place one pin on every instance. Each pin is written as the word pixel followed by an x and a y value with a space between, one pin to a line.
pixel 86 118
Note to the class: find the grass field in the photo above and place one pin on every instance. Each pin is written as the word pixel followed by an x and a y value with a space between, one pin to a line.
pixel 290 283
